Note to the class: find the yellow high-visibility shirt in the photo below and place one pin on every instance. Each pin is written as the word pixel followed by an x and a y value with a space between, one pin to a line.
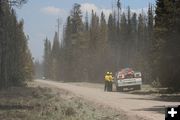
pixel 110 78
pixel 106 77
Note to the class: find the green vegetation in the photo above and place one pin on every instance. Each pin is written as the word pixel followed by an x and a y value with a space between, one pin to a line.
pixel 16 64
pixel 160 93
pixel 36 103
pixel 166 56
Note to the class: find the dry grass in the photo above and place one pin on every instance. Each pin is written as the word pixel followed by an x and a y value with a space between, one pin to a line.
pixel 37 103
pixel 161 94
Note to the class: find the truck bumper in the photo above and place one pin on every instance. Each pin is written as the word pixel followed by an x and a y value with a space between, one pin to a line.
pixel 127 83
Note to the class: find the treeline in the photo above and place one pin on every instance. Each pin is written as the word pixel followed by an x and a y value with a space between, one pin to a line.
pixel 166 43
pixel 95 45
pixel 16 64
pixel 38 69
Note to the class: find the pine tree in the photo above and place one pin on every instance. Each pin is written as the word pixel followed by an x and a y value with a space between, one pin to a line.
pixel 124 46
pixel 16 66
pixel 103 34
pixel 93 46
pixel 111 30
pixel 129 41
pixel 102 43
pixel 86 22
pixel 38 67
pixel 68 50
pixel 55 46
pixel 119 12
pixel 134 30
pixel 112 42
pixel 165 53
pixel 47 59
pixel 55 57
pixel 77 40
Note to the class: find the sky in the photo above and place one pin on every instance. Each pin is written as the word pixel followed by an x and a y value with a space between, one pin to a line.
pixel 40 17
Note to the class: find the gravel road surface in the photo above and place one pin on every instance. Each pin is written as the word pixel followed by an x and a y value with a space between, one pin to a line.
pixel 136 107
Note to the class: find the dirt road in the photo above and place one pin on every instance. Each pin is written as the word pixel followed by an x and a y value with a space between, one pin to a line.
pixel 136 107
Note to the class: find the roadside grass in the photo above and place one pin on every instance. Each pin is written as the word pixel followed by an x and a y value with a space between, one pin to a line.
pixel 37 103
pixel 161 94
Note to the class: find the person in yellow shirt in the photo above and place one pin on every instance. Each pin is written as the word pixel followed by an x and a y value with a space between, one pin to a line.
pixel 110 81
pixel 106 82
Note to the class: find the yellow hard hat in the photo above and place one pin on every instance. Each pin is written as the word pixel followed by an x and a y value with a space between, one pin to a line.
pixel 110 73
pixel 107 73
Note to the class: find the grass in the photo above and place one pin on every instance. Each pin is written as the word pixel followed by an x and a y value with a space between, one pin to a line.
pixel 161 94
pixel 37 103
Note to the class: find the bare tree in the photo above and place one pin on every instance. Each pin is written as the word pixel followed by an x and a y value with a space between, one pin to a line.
pixel 17 3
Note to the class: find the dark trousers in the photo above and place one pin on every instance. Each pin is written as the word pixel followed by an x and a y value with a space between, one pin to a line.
pixel 110 85
pixel 106 85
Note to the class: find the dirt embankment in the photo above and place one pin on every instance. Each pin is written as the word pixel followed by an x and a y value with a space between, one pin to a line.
pixel 133 107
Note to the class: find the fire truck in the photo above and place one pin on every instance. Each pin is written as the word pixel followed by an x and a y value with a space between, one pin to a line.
pixel 128 78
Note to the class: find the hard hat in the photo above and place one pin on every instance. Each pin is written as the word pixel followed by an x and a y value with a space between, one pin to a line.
pixel 110 73
pixel 107 73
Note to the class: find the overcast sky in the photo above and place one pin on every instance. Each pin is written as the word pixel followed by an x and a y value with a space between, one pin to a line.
pixel 40 16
